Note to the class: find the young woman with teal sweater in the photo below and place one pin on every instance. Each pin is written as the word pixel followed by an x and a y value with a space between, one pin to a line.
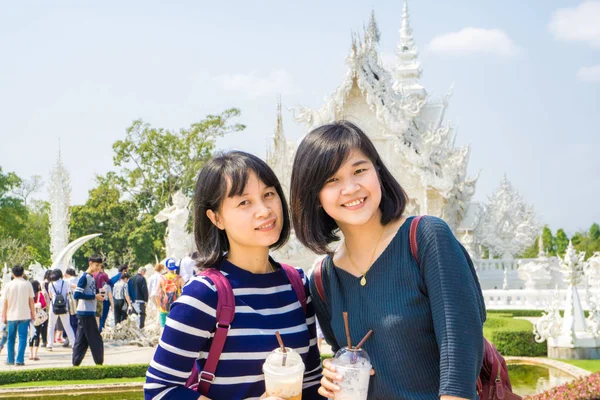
pixel 427 317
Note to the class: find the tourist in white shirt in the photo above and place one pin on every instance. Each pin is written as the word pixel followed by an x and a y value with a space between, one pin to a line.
pixel 18 311
pixel 153 290
pixel 59 286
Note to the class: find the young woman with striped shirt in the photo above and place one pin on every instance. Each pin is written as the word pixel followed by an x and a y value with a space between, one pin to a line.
pixel 240 213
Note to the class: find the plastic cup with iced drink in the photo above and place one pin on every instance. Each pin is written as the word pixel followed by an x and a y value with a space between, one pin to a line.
pixel 354 365
pixel 284 373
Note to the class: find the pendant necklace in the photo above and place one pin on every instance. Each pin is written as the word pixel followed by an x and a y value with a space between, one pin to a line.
pixel 363 280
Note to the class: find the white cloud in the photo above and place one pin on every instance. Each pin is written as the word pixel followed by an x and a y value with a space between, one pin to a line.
pixel 578 24
pixel 474 40
pixel 589 74
pixel 277 82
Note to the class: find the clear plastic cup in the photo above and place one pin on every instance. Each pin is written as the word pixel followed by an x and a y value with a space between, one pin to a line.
pixel 284 381
pixel 355 368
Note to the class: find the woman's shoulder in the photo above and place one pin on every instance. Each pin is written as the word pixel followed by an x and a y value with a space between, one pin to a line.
pixel 430 225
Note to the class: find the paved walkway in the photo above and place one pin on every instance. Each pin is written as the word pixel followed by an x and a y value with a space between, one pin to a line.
pixel 61 357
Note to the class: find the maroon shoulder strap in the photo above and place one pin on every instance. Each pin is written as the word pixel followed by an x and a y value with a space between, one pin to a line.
pixel 318 277
pixel 225 313
pixel 297 284
pixel 414 224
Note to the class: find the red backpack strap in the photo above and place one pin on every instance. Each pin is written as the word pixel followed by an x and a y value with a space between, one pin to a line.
pixel 318 277
pixel 225 313
pixel 414 224
pixel 294 277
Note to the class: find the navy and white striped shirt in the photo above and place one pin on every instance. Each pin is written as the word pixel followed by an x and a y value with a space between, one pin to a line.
pixel 265 303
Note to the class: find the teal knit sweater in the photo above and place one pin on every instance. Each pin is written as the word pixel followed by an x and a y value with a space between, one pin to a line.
pixel 427 319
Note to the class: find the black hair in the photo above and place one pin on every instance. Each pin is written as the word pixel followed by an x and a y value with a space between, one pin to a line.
pixel 318 157
pixel 125 275
pixel 56 274
pixel 123 267
pixel 36 288
pixel 211 190
pixel 95 259
pixel 71 272
pixel 48 275
pixel 18 271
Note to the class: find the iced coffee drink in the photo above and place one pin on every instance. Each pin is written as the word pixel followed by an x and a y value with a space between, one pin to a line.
pixel 284 373
pixel 355 368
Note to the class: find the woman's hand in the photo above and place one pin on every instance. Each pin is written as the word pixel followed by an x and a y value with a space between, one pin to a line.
pixel 328 388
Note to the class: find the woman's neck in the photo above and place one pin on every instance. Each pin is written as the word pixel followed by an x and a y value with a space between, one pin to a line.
pixel 358 237
pixel 254 260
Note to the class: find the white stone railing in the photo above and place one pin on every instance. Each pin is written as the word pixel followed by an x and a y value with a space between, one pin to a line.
pixel 483 265
pixel 524 299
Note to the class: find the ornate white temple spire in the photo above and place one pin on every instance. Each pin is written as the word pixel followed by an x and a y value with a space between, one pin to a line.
pixel 407 71
pixel 60 200
pixel 280 154
pixel 372 32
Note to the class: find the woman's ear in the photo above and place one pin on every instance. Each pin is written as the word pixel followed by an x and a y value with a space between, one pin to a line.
pixel 214 218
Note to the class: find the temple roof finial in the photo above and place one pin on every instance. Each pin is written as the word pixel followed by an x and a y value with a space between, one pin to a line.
pixel 408 67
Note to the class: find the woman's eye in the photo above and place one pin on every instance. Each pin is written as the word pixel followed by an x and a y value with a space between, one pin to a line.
pixel 244 203
pixel 330 180
pixel 269 194
pixel 360 171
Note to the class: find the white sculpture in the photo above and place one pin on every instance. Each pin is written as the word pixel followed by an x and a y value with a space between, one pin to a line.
pixel 60 200
pixel 506 225
pixel 574 339
pixel 63 259
pixel 129 333
pixel 178 239
pixel 539 273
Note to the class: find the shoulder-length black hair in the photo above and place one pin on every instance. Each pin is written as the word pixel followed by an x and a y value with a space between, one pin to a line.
pixel 320 154
pixel 211 190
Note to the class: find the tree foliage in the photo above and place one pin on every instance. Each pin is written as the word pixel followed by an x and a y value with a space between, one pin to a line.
pixel 156 162
pixel 122 225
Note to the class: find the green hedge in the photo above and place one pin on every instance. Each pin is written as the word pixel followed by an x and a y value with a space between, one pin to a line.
pixel 526 313
pixel 513 337
pixel 517 313
pixel 73 373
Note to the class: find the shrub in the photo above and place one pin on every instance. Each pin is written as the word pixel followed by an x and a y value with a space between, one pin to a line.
pixel 587 388
pixel 513 337
pixel 76 373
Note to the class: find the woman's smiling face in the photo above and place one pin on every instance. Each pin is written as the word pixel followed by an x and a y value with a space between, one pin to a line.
pixel 352 195
pixel 252 219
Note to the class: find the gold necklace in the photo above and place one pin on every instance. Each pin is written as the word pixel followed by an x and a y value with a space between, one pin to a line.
pixel 363 280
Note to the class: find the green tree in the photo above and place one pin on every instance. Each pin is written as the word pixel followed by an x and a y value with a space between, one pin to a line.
pixel 549 242
pixel 36 234
pixel 13 213
pixel 595 232
pixel 562 241
pixel 124 229
pixel 156 162
pixel 532 251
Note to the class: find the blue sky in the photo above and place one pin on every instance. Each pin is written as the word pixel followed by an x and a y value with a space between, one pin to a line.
pixel 526 94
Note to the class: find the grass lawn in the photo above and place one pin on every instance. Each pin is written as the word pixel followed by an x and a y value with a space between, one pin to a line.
pixel 80 382
pixel 590 365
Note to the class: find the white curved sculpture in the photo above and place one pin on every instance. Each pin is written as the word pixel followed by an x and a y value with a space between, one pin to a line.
pixel 178 239
pixel 63 260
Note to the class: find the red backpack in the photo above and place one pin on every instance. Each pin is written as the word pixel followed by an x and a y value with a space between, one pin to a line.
pixel 493 382
pixel 201 380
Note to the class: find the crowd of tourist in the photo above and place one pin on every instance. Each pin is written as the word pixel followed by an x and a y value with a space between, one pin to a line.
pixel 71 309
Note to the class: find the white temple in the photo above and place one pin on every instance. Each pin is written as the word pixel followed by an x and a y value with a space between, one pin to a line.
pixel 60 200
pixel 406 125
